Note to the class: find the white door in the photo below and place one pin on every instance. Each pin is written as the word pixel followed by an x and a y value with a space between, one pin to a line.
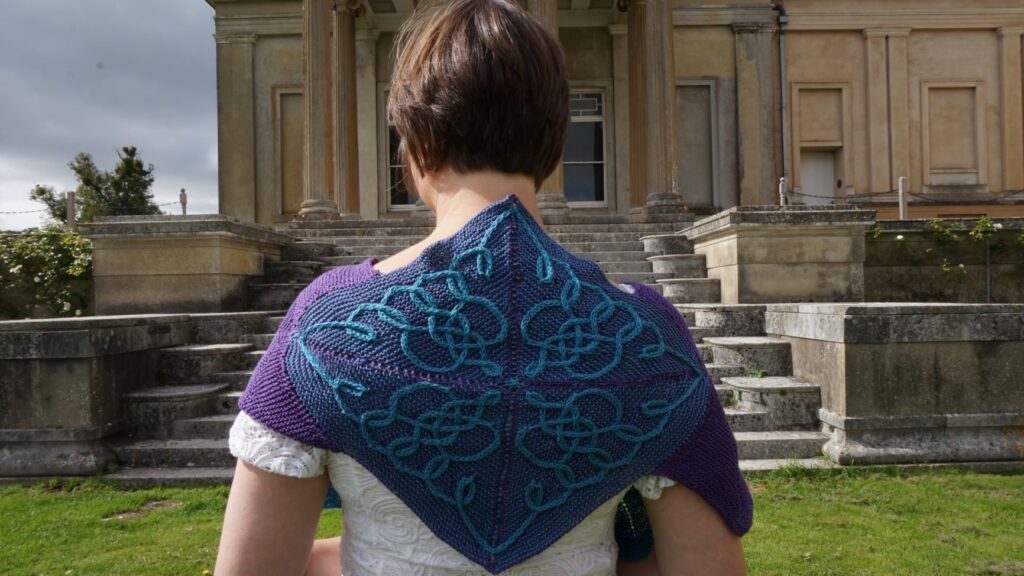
pixel 817 176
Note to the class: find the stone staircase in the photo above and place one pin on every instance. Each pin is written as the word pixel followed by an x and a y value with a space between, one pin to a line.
pixel 177 429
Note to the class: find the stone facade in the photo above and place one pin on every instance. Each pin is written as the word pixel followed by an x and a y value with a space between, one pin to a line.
pixel 711 102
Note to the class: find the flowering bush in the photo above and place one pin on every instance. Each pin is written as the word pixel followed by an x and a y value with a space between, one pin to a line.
pixel 44 273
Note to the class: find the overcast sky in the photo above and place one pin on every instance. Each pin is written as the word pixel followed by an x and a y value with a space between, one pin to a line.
pixel 95 75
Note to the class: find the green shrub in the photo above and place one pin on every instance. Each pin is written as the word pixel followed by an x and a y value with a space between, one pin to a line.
pixel 45 273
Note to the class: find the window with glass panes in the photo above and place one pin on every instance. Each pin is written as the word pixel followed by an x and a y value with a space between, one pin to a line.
pixel 583 162
pixel 398 194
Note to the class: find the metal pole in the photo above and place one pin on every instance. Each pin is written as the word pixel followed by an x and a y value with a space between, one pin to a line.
pixel 183 198
pixel 902 198
pixel 72 223
pixel 782 191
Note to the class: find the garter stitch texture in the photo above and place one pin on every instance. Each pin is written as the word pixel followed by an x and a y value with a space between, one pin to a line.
pixel 500 386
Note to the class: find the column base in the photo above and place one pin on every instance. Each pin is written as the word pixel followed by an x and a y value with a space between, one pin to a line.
pixel 664 207
pixel 553 208
pixel 318 210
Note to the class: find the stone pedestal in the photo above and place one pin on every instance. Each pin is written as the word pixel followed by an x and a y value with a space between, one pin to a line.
pixel 767 254
pixel 63 383
pixel 174 264
pixel 911 383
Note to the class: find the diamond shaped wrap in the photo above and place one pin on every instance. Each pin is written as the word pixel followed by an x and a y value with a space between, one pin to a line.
pixel 500 386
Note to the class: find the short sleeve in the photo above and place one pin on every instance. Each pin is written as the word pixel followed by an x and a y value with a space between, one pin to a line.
pixel 650 487
pixel 270 451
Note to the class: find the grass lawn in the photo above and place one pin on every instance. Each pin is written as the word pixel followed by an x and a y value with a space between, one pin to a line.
pixel 849 522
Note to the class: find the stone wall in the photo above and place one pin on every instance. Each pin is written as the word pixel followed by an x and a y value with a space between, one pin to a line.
pixel 914 261
pixel 62 382
pixel 911 382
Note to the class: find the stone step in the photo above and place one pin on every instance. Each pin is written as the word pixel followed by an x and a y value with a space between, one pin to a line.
pixel 171 477
pixel 273 323
pixel 744 420
pixel 227 402
pixel 667 244
pixel 698 334
pixel 348 254
pixel 613 256
pixel 197 362
pixel 691 290
pixel 265 296
pixel 762 355
pixel 220 327
pixel 707 353
pixel 780 444
pixel 249 359
pixel 151 412
pixel 258 341
pixel 731 319
pixel 404 222
pixel 680 265
pixel 390 229
pixel 640 267
pixel 719 371
pixel 292 271
pixel 136 478
pixel 307 250
pixel 762 466
pixel 725 396
pixel 374 242
pixel 789 403
pixel 212 427
pixel 236 379
pixel 202 453
pixel 641 277
pixel 600 244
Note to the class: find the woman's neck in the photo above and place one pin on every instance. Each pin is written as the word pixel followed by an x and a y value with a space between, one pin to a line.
pixel 459 197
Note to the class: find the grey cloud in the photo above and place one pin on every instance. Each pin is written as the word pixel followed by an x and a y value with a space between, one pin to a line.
pixel 96 75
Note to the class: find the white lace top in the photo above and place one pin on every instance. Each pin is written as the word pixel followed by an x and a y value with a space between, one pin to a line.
pixel 384 537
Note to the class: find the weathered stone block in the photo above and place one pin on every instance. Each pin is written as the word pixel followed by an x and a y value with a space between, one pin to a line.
pixel 785 254
pixel 911 382
pixel 177 264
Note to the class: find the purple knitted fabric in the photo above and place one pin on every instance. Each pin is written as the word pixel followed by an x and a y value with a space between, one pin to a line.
pixel 269 398
pixel 500 386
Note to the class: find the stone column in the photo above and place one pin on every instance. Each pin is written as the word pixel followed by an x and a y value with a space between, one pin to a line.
pixel 636 36
pixel 551 196
pixel 366 95
pixel 236 130
pixel 318 202
pixel 899 107
pixel 660 196
pixel 620 87
pixel 878 110
pixel 756 106
pixel 1013 111
pixel 346 138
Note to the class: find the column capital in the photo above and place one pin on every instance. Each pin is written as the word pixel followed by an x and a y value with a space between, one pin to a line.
pixel 355 7
pixel 235 38
pixel 1010 31
pixel 884 32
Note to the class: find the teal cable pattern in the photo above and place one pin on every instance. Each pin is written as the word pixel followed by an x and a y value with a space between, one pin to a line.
pixel 438 433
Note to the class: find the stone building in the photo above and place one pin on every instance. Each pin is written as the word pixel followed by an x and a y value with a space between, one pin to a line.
pixel 675 104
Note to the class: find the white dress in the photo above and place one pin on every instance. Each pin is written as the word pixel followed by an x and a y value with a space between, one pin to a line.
pixel 384 537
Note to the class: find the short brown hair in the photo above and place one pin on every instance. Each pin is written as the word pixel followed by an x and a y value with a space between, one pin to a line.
pixel 479 84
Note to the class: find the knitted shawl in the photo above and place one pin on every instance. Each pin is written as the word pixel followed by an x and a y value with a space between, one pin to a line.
pixel 500 386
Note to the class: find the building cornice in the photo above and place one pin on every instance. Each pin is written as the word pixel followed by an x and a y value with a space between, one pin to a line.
pixel 918 19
